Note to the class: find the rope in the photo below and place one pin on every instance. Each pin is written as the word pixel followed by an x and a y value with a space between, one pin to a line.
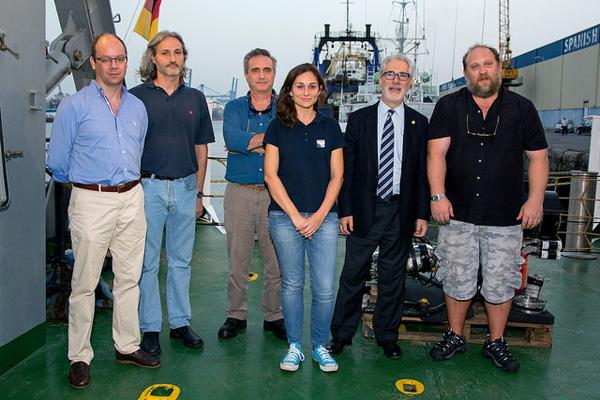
pixel 135 13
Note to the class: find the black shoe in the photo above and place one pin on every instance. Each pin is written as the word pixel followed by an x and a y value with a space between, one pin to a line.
pixel 450 344
pixel 391 350
pixel 336 346
pixel 231 328
pixel 139 358
pixel 150 343
pixel 500 354
pixel 187 336
pixel 277 327
pixel 79 375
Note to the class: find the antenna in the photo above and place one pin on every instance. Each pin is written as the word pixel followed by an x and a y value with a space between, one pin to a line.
pixel 483 22
pixel 348 30
pixel 454 44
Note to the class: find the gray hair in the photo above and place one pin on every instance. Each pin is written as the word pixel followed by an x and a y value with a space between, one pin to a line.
pixel 397 57
pixel 147 69
pixel 255 53
pixel 480 46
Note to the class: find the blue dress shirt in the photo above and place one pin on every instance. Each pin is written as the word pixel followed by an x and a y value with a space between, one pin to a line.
pixel 91 144
pixel 240 123
pixel 398 120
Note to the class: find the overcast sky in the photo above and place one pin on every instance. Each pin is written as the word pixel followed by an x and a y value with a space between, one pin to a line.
pixel 219 33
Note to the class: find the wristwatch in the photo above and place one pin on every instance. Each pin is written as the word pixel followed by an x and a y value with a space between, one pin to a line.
pixel 437 197
pixel 200 195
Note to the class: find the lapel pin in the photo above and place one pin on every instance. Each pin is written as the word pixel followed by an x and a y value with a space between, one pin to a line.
pixel 412 122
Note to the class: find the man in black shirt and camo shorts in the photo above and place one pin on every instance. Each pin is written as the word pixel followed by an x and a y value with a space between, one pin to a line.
pixel 477 137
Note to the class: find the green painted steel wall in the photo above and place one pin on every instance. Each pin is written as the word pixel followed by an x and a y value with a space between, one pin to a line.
pixel 22 224
pixel 21 347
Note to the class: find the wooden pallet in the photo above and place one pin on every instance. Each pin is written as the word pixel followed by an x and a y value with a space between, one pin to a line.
pixel 475 330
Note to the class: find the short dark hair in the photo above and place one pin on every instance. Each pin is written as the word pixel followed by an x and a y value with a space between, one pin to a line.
pixel 480 46
pixel 286 108
pixel 255 53
pixel 100 36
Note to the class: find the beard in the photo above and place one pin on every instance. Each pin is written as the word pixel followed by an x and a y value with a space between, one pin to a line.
pixel 394 97
pixel 479 91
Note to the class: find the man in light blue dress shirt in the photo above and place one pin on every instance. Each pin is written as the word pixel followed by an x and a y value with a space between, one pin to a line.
pixel 96 146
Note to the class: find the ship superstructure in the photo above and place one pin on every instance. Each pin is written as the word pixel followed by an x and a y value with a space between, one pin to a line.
pixel 351 70
pixel 346 60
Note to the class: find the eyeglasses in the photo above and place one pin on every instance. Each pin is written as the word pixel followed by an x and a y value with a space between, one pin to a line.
pixel 391 75
pixel 109 60
pixel 483 134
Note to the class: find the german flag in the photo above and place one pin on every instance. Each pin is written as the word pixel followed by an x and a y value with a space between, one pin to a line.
pixel 147 23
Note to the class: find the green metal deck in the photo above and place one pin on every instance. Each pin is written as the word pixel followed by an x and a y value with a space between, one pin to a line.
pixel 247 367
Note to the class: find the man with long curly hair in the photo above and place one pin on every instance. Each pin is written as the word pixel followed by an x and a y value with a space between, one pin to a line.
pixel 173 170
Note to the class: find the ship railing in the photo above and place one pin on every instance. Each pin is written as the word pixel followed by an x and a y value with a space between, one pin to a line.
pixel 353 33
pixel 213 196
pixel 575 220
pixel 579 215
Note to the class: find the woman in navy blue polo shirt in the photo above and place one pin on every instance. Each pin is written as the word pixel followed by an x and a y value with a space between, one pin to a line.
pixel 303 169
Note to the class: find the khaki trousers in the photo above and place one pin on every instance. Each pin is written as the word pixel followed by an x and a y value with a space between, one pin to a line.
pixel 101 221
pixel 246 214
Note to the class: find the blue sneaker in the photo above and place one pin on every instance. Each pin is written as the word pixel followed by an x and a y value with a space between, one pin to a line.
pixel 292 359
pixel 326 362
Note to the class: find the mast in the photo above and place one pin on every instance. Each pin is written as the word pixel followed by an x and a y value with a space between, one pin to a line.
pixel 509 74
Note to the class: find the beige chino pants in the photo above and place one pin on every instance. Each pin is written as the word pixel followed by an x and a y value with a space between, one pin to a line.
pixel 100 221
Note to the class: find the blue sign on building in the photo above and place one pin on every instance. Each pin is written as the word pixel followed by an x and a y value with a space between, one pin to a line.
pixel 575 42
pixel 581 40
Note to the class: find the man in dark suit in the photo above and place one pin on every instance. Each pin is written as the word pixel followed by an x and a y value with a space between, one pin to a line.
pixel 384 201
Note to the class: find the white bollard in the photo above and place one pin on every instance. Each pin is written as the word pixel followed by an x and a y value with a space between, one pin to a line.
pixel 594 159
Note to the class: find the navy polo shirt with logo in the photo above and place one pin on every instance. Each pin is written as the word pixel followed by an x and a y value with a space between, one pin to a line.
pixel 176 123
pixel 305 159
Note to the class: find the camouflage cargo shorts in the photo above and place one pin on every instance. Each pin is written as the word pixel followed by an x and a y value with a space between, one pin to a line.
pixel 461 247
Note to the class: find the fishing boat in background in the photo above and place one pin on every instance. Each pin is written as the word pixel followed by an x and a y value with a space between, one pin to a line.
pixel 351 71
pixel 347 60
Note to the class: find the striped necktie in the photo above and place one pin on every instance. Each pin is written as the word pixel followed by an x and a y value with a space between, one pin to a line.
pixel 386 159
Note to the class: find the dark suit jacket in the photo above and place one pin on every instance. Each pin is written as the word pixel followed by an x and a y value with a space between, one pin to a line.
pixel 358 194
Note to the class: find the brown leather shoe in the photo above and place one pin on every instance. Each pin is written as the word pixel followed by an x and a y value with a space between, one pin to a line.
pixel 79 375
pixel 139 358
